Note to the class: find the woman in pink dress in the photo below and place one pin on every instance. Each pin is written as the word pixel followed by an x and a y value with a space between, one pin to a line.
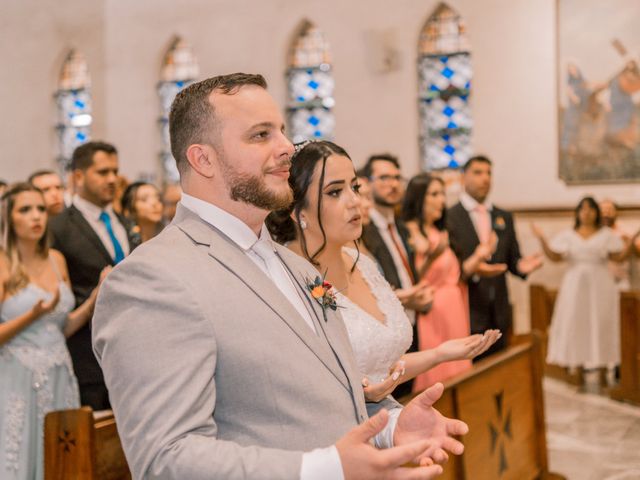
pixel 424 214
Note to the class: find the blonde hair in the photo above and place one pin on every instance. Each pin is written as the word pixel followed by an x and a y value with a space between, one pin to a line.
pixel 18 277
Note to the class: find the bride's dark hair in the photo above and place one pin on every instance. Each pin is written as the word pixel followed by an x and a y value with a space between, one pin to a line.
pixel 282 227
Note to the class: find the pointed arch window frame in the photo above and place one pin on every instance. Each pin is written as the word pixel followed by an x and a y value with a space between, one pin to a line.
pixel 174 77
pixel 74 107
pixel 445 73
pixel 310 86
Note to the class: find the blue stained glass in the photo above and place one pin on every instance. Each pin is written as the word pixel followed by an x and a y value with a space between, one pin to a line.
pixel 447 72
pixel 448 111
pixel 314 120
pixel 180 84
pixel 313 84
pixel 453 164
pixel 467 85
pixel 464 97
pixel 79 104
pixel 446 137
pixel 300 99
pixel 81 136
pixel 452 125
pixel 449 149
pixel 434 88
pixel 444 59
pixel 317 133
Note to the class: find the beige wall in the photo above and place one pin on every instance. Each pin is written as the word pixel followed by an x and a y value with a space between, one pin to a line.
pixel 514 97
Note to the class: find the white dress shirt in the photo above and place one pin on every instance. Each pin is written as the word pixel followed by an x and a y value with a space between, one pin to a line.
pixel 321 463
pixel 91 214
pixel 470 204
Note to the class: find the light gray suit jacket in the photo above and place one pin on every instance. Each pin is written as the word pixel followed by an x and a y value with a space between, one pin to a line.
pixel 211 371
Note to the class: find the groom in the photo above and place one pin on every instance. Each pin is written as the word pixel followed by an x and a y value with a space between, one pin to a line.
pixel 219 363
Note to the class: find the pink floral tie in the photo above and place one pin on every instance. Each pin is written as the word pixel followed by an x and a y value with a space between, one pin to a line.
pixel 483 223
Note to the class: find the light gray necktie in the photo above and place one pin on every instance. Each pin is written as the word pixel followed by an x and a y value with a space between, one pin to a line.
pixel 264 249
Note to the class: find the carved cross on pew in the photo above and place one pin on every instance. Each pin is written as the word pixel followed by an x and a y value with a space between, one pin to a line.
pixel 67 440
pixel 500 432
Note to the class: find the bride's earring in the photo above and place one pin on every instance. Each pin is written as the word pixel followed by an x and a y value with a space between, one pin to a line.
pixel 303 224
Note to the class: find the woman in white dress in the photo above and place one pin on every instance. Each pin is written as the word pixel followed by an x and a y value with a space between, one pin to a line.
pixel 585 327
pixel 323 225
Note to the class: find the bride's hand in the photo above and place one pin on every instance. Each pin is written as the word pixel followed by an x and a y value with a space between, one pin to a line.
pixel 379 391
pixel 467 348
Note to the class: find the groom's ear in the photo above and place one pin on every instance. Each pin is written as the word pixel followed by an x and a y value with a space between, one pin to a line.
pixel 202 159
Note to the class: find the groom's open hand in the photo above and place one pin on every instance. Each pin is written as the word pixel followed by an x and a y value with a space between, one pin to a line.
pixel 420 421
pixel 360 460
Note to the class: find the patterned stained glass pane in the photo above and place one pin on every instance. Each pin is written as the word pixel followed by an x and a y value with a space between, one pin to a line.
pixel 311 123
pixel 310 48
pixel 311 85
pixel 179 70
pixel 438 114
pixel 73 107
pixel 445 75
pixel 446 151
pixel 444 33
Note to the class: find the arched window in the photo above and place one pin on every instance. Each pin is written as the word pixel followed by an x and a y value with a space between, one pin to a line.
pixel 73 101
pixel 310 85
pixel 444 79
pixel 179 69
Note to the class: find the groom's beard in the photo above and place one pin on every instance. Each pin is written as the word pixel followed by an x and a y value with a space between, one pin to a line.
pixel 253 190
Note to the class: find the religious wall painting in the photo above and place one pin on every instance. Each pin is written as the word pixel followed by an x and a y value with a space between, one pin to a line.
pixel 599 91
pixel 444 87
pixel 310 86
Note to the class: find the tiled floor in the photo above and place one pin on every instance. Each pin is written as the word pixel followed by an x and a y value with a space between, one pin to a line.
pixel 589 436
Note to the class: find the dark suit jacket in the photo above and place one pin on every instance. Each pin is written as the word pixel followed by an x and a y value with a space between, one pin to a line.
pixel 86 256
pixel 375 244
pixel 488 297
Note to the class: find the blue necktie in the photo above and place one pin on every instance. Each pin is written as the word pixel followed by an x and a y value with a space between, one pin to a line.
pixel 106 219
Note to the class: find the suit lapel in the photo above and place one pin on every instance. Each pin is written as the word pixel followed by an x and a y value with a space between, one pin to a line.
pixel 469 226
pixel 237 263
pixel 85 229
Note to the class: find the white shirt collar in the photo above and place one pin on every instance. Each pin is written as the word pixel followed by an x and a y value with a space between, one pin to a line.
pixel 379 219
pixel 469 203
pixel 234 228
pixel 90 210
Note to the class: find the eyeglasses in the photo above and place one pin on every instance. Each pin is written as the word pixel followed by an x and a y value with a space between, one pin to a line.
pixel 389 178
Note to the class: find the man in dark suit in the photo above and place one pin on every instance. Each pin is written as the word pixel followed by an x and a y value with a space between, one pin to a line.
pixel 91 236
pixel 387 238
pixel 472 221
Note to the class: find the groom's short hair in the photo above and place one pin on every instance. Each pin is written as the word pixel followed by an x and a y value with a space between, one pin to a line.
pixel 192 115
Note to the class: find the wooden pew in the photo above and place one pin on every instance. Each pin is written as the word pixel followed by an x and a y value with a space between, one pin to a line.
pixel 83 445
pixel 501 400
pixel 629 387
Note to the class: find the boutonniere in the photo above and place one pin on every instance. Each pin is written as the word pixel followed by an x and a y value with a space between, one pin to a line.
pixel 323 293
pixel 499 223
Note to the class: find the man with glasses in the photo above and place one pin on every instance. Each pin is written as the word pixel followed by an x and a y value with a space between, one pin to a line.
pixel 387 238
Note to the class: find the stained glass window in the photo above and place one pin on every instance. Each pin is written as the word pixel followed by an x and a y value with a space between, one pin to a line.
pixel 310 84
pixel 445 73
pixel 179 69
pixel 73 101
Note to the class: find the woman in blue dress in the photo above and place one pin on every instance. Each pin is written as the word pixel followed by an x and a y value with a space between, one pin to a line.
pixel 36 303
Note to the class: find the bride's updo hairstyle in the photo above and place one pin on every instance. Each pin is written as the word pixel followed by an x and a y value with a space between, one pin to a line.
pixel 281 223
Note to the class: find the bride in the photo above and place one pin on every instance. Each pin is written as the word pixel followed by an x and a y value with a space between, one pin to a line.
pixel 321 225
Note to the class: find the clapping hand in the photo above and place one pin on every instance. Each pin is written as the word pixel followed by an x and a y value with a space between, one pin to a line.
pixel 42 308
pixel 488 270
pixel 378 391
pixel 360 459
pixel 419 420
pixel 530 264
pixel 467 348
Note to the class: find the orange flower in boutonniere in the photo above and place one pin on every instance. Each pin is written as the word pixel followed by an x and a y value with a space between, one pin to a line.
pixel 499 223
pixel 323 293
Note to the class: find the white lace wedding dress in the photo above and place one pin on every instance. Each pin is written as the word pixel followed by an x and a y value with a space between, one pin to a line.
pixel 376 345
